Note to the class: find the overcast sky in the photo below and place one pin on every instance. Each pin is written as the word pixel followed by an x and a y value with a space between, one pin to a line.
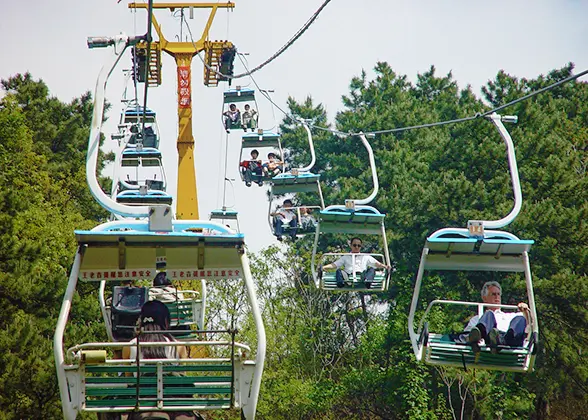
pixel 472 39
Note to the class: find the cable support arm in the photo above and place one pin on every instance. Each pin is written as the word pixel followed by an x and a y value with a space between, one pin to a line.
pixel 370 151
pixel 514 172
pixel 311 145
pixel 120 43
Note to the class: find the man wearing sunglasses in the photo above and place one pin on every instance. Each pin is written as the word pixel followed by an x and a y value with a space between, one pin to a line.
pixel 362 265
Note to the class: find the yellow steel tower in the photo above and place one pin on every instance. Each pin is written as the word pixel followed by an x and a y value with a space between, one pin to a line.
pixel 187 195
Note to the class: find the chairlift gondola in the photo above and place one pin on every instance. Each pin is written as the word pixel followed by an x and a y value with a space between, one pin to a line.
pixel 483 249
pixel 91 379
pixel 224 215
pixel 354 218
pixel 235 118
pixel 298 180
pixel 261 139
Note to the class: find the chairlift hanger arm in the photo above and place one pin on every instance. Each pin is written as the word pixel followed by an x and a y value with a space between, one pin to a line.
pixel 311 145
pixel 370 151
pixel 514 172
pixel 120 43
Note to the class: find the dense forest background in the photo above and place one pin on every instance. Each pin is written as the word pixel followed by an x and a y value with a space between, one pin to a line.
pixel 330 355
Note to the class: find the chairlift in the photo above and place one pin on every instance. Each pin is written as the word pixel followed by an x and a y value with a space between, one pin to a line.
pixel 306 220
pixel 145 181
pixel 261 139
pixel 93 378
pixel 354 218
pixel 233 117
pixel 137 126
pixel 224 215
pixel 483 249
pixel 299 179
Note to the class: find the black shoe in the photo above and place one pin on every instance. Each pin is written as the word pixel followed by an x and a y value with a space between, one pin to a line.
pixel 279 238
pixel 293 238
pixel 368 284
pixel 248 184
pixel 474 338
pixel 228 131
pixel 494 340
pixel 260 183
pixel 340 284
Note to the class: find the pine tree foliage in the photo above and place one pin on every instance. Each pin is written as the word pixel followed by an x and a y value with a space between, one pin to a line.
pixel 332 356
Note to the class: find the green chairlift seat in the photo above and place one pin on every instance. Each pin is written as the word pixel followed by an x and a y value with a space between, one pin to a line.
pixel 328 282
pixel 149 156
pixel 440 350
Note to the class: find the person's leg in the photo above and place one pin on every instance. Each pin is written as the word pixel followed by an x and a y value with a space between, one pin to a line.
pixel 278 228
pixel 293 228
pixel 368 276
pixel 341 277
pixel 247 176
pixel 485 324
pixel 515 336
pixel 258 175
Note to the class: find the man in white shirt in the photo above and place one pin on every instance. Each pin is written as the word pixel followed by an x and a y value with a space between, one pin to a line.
pixel 494 326
pixel 285 215
pixel 363 265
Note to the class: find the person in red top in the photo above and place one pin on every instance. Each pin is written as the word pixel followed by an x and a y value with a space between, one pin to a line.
pixel 252 167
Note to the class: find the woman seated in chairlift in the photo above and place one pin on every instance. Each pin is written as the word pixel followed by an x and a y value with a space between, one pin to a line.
pixel 273 166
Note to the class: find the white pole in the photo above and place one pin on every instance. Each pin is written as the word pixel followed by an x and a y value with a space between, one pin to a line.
pixel 514 173
pixel 250 409
pixel 69 412
pixel 370 151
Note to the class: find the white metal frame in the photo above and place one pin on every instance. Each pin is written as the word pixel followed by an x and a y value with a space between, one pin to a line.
pixel 120 43
pixel 487 262
pixel 356 205
pixel 67 373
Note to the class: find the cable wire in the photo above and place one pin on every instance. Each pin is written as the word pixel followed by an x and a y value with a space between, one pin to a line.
pixel 435 124
pixel 370 133
pixel 283 49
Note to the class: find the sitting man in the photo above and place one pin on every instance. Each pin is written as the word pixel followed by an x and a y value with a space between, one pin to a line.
pixel 249 118
pixel 273 166
pixel 494 326
pixel 232 118
pixel 363 265
pixel 285 215
pixel 163 290
pixel 252 167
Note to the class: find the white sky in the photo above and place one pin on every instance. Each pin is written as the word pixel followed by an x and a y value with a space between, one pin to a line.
pixel 473 39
